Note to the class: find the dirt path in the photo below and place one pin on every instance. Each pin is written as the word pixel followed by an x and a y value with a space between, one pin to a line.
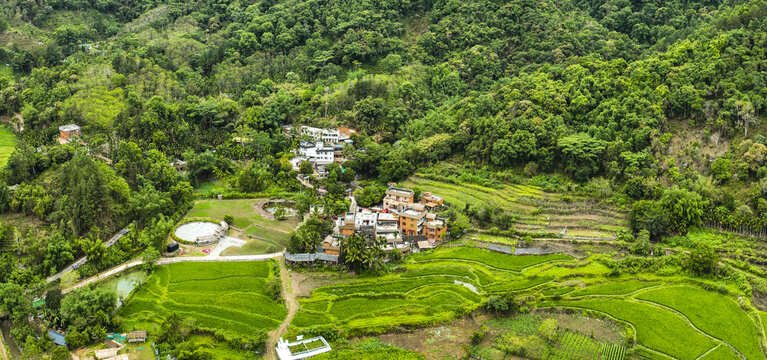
pixel 3 353
pixel 292 305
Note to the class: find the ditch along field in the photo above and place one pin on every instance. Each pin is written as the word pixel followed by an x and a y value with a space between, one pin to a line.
pixel 262 235
pixel 664 317
pixel 227 298
pixel 536 211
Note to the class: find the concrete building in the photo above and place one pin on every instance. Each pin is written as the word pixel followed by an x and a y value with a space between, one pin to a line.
pixel 331 245
pixel 435 228
pixel 68 132
pixel 330 136
pixel 316 153
pixel 430 200
pixel 411 222
pixel 397 199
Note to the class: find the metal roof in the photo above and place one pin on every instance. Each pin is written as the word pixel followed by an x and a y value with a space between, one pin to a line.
pixel 327 257
pixel 57 338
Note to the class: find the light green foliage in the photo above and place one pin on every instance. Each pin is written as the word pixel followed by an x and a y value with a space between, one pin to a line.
pixel 656 328
pixel 613 287
pixel 489 258
pixel 7 144
pixel 577 346
pixel 713 313
pixel 227 298
pixel 97 106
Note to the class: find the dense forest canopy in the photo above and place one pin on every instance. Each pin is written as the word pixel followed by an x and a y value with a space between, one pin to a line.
pixel 659 102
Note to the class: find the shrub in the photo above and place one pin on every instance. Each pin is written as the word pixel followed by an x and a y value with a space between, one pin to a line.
pixel 548 330
pixel 229 219
pixel 505 303
pixel 274 288
pixel 477 338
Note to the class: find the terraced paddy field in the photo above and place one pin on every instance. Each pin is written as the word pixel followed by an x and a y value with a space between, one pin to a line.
pixel 226 298
pixel 536 211
pixel 664 317
pixel 673 320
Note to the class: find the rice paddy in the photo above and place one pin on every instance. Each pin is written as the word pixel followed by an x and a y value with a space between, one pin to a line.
pixel 226 298
pixel 536 211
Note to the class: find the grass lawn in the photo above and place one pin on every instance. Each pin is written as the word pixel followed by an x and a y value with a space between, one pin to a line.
pixel 716 314
pixel 247 218
pixel 227 298
pixel 243 212
pixel 7 144
pixel 657 328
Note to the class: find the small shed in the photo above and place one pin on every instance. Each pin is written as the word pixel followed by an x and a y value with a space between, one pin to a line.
pixel 137 336
pixel 57 338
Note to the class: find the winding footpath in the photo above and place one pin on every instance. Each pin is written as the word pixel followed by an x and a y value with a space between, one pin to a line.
pixel 291 303
pixel 165 261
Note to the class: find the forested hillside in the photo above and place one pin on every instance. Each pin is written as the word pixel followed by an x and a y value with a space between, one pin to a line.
pixel 656 106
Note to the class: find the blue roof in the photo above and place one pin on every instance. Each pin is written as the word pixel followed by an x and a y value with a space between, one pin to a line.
pixel 58 338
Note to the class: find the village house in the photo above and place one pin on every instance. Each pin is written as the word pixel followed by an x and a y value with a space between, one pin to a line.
pixel 68 132
pixel 397 199
pixel 316 153
pixel 435 228
pixel 411 222
pixel 330 136
pixel 331 246
pixel 430 200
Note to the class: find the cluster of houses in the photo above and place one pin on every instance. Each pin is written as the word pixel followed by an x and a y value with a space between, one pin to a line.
pixel 320 147
pixel 403 222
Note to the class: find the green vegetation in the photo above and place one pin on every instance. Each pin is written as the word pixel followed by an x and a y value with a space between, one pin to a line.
pixel 727 322
pixel 223 298
pixel 577 346
pixel 656 328
pixel 7 144
pixel 489 258
pixel 622 287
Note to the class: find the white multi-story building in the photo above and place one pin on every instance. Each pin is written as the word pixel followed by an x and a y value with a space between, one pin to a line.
pixel 316 153
pixel 330 136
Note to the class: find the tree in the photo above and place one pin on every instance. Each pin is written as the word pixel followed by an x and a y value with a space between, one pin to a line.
pixel 306 168
pixel 60 353
pixel 682 207
pixel 548 330
pixel 720 168
pixel 702 259
pixel 503 303
pixel 649 215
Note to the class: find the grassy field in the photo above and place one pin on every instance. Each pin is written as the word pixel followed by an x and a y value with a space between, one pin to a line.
pixel 536 211
pixel 227 298
pixel 7 144
pixel 249 220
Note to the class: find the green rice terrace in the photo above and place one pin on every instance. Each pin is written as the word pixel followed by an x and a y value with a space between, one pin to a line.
pixel 225 298
pixel 659 319
pixel 533 209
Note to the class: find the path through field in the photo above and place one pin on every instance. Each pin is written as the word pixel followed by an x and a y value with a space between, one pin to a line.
pixel 2 348
pixel 290 303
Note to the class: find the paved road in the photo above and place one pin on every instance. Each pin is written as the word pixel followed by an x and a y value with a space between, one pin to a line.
pixel 165 261
pixel 81 261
